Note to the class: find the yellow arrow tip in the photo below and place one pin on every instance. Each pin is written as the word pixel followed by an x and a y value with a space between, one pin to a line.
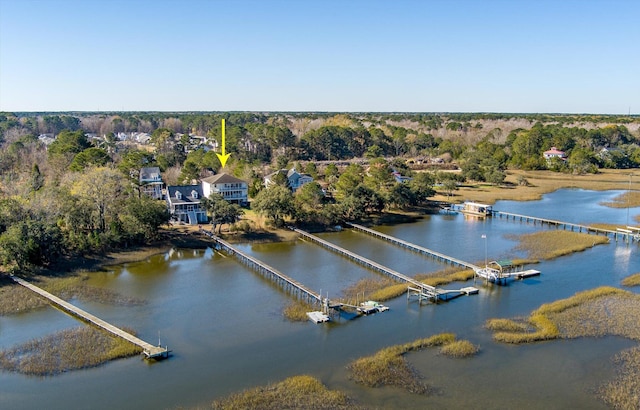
pixel 223 158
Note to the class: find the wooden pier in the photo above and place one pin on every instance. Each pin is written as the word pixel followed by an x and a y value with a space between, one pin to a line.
pixel 628 235
pixel 426 290
pixel 413 247
pixel 150 351
pixel 269 272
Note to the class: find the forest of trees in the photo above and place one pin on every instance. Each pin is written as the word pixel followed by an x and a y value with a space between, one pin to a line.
pixel 79 194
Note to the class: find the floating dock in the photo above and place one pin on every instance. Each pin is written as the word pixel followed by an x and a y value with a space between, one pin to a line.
pixel 150 351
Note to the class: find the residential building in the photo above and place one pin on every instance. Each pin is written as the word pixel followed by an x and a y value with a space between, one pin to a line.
pixel 232 189
pixel 554 153
pixel 399 177
pixel 296 179
pixel 184 204
pixel 151 182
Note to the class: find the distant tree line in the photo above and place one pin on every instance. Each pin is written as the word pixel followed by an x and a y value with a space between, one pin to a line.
pixel 80 193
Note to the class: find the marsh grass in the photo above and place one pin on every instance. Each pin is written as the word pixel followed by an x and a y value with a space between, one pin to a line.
pixel 623 392
pixel 594 313
pixel 597 312
pixel 16 299
pixel 540 183
pixel 446 276
pixel 459 348
pixel 631 280
pixel 299 392
pixel 386 289
pixel 297 311
pixel 388 366
pixel 66 350
pixel 506 325
pixel 75 287
pixel 624 200
pixel 552 244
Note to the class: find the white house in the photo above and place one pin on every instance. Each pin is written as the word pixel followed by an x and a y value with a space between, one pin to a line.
pixel 184 204
pixel 554 153
pixel 232 189
pixel 151 182
pixel 296 179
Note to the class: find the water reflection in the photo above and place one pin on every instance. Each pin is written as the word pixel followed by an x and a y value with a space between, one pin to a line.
pixel 224 321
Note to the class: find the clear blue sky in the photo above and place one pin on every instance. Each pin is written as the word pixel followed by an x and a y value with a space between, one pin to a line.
pixel 579 56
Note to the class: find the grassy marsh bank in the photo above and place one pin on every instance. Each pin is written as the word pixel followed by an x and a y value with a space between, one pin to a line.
pixel 66 350
pixel 623 392
pixel 540 183
pixel 298 392
pixel 388 366
pixel 631 280
pixel 553 244
pixel 598 312
pixel 603 311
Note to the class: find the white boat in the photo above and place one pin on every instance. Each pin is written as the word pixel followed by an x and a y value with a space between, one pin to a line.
pixel 372 306
pixel 318 317
pixel 490 274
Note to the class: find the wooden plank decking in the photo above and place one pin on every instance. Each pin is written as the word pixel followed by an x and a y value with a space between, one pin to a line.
pixel 149 350
pixel 628 236
pixel 413 247
pixel 273 273
pixel 431 291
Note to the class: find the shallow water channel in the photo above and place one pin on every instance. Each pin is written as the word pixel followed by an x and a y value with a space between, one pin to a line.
pixel 224 322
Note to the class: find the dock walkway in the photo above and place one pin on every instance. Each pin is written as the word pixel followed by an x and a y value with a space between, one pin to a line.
pixel 270 272
pixel 427 290
pixel 413 247
pixel 149 350
pixel 627 235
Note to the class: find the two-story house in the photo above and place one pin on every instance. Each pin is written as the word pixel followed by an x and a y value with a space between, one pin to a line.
pixel 184 204
pixel 151 182
pixel 232 189
pixel 295 179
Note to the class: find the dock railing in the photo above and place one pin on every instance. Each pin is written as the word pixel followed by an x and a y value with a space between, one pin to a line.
pixel 149 350
pixel 271 272
pixel 413 247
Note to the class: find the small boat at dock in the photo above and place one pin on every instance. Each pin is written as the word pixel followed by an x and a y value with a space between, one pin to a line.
pixel 372 306
pixel 477 209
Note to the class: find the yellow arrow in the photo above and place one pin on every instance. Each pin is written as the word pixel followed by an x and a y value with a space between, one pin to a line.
pixel 224 156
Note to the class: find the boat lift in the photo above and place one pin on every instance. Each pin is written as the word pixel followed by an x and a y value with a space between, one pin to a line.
pixel 499 271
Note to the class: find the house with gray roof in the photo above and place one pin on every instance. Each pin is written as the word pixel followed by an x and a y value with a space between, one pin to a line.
pixel 184 204
pixel 150 182
pixel 294 178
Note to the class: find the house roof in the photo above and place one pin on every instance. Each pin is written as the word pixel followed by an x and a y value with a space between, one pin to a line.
pixel 554 151
pixel 187 194
pixel 149 173
pixel 291 174
pixel 222 179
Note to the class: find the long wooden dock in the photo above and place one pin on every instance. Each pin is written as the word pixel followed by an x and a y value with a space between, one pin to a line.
pixel 149 350
pixel 627 235
pixel 413 247
pixel 298 289
pixel 427 290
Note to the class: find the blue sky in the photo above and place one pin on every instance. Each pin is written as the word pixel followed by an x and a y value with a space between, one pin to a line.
pixel 431 55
